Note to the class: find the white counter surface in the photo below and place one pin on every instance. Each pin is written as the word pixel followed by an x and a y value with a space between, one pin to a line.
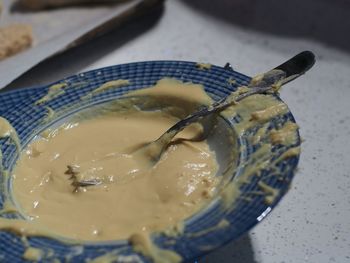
pixel 312 222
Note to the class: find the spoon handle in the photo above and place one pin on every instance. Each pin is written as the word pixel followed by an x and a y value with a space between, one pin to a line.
pixel 297 65
pixel 282 74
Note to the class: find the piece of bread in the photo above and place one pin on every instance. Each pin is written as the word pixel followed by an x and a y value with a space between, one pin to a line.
pixel 14 38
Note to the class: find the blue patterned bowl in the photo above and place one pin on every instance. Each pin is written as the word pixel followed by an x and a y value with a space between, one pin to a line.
pixel 18 107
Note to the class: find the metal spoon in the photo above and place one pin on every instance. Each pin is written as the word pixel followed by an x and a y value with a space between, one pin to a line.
pixel 150 153
pixel 284 73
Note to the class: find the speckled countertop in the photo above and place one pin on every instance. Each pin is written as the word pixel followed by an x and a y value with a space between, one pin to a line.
pixel 311 224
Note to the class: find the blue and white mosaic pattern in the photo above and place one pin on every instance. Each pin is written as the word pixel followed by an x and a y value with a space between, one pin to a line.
pixel 18 107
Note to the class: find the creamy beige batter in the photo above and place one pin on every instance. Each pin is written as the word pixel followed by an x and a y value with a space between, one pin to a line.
pixel 132 201
pixel 131 198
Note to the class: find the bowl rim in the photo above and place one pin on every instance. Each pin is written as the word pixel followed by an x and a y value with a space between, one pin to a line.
pixel 157 238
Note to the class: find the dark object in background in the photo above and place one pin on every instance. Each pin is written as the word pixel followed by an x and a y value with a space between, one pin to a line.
pixel 44 4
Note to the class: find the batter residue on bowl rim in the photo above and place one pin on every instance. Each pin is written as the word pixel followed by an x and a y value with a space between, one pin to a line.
pixel 139 201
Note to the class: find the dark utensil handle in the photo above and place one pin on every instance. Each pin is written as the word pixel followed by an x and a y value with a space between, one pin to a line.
pixel 297 65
